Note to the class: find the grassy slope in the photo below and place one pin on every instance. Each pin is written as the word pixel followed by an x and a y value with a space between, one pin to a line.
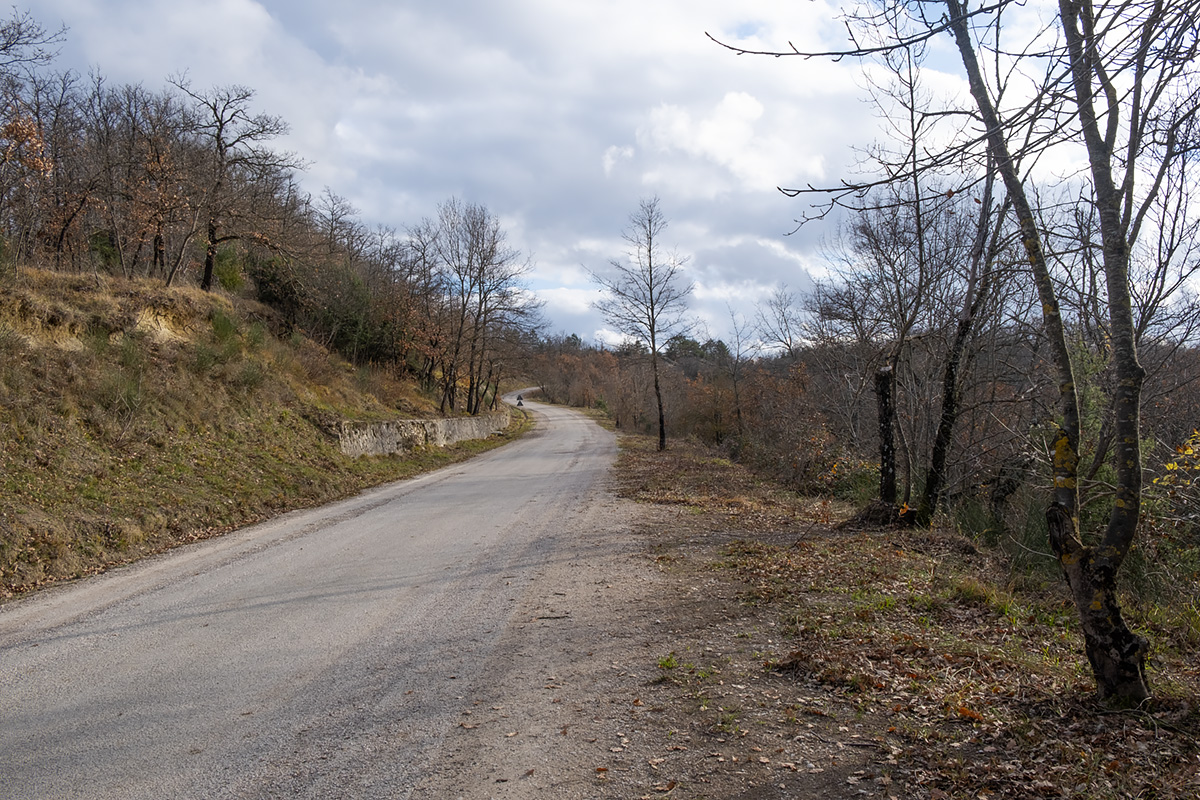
pixel 137 417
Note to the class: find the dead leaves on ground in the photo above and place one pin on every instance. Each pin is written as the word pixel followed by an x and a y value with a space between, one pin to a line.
pixel 983 692
pixel 973 689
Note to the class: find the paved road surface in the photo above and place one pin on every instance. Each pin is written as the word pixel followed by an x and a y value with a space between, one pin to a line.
pixel 322 654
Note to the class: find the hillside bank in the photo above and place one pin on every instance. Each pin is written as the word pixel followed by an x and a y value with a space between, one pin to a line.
pixel 139 417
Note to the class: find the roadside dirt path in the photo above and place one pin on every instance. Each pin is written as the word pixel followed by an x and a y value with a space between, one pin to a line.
pixel 579 706
pixel 588 692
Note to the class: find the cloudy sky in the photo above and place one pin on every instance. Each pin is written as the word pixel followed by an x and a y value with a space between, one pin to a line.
pixel 558 115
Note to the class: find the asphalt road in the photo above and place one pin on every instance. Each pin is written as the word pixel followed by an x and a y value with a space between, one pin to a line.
pixel 321 654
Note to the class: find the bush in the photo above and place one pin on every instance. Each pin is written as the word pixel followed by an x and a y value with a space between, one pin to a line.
pixel 1176 491
pixel 103 247
pixel 228 270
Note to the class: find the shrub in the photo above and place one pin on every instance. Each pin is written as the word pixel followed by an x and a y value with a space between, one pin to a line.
pixel 228 269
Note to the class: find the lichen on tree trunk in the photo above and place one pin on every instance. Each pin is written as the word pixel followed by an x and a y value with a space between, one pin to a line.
pixel 1117 654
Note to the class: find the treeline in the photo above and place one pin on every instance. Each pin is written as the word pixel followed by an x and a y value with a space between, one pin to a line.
pixel 185 184
pixel 906 352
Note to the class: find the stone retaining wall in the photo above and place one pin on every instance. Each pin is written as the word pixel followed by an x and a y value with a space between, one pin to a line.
pixel 403 435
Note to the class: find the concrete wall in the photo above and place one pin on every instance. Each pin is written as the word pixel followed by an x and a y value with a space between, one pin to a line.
pixel 403 435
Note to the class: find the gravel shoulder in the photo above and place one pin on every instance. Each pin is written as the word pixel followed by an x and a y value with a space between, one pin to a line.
pixel 581 702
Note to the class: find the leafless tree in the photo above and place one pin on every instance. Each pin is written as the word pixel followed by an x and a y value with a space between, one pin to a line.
pixel 482 277
pixel 645 297
pixel 779 322
pixel 233 141
pixel 1119 81
pixel 25 42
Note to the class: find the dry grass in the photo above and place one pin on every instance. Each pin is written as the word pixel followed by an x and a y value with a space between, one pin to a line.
pixel 138 417
pixel 961 680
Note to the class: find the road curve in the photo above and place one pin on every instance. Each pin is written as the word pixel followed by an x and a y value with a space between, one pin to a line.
pixel 320 654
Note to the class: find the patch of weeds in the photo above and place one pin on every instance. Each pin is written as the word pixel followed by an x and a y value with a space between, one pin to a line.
pixel 669 661
pixel 10 340
pixel 121 394
pixel 204 358
pixel 228 269
pixel 249 376
pixel 97 339
pixel 256 336
pixel 131 354
pixel 224 326
pixel 926 603
pixel 727 720
pixel 971 592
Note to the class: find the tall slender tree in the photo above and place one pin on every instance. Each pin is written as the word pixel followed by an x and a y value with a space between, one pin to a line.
pixel 644 293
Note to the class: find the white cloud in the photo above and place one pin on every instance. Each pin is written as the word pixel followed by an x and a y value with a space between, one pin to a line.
pixel 614 155
pixel 557 116
pixel 568 301
pixel 730 136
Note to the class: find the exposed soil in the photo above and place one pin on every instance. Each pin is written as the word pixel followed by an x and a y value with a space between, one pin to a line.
pixel 722 640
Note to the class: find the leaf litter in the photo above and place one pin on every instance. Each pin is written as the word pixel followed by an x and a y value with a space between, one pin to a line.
pixel 878 662
pixel 722 640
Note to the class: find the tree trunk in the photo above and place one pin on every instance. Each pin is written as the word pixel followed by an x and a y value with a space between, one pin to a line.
pixel 1065 460
pixel 884 379
pixel 1117 654
pixel 935 476
pixel 160 254
pixel 210 256
pixel 662 423
pixel 449 388
pixel 977 291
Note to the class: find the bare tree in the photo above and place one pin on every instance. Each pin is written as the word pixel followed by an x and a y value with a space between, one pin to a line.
pixel 1120 81
pixel 734 359
pixel 232 139
pixel 484 299
pixel 645 297
pixel 778 322
pixel 25 43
